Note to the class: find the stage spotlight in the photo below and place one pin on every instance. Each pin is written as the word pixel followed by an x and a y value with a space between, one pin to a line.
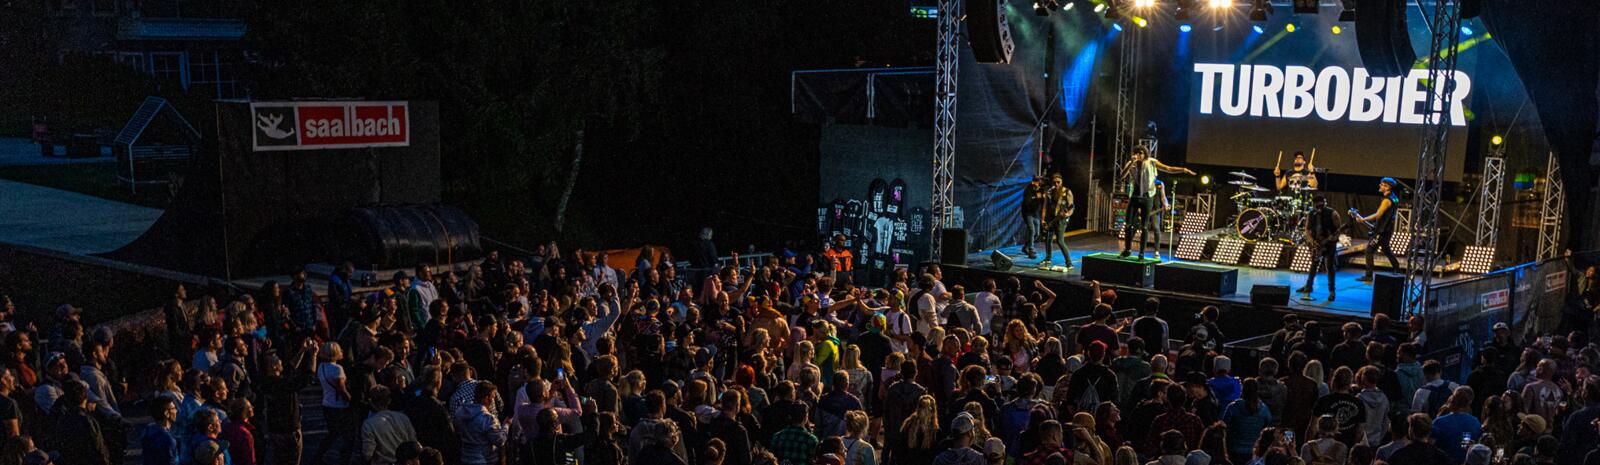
pixel 1289 27
pixel 1140 21
pixel 1257 29
pixel 1185 28
pixel 1142 4
pixel 1220 4
pixel 1302 259
pixel 1337 30
pixel 1116 27
pixel 1069 5
pixel 1478 259
pixel 1099 8
pixel 1466 31
pixel 1194 223
pixel 1496 140
pixel 1205 179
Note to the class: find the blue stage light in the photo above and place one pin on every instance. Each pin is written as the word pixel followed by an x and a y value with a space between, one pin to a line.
pixel 1116 27
pixel 1257 28
pixel 1466 31
pixel 1185 28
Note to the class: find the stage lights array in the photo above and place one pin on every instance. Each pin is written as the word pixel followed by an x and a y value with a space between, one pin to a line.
pixel 1142 4
pixel 1478 259
pixel 1219 4
pixel 1400 242
pixel 1190 247
pixel 1228 251
pixel 1193 223
pixel 1266 255
pixel 1302 259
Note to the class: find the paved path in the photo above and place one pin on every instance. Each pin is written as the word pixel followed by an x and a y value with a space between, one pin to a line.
pixel 68 221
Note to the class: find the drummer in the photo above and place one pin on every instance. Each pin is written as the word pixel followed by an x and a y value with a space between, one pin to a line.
pixel 1304 175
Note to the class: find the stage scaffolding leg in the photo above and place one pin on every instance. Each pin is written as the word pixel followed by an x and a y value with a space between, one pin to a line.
pixel 944 124
pixel 1425 247
pixel 1124 138
pixel 1555 207
pixel 1494 183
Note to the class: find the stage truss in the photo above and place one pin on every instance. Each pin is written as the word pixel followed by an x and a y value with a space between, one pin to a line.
pixel 1555 206
pixel 944 124
pixel 1494 183
pixel 1425 247
pixel 1125 138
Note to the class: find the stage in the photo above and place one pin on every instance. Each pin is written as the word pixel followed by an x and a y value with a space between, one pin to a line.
pixel 1354 297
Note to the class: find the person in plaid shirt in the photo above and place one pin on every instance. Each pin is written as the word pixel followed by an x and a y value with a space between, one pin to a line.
pixel 1050 438
pixel 795 445
pixel 1178 417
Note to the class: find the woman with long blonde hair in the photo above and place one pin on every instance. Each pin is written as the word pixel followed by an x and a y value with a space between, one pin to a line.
pixel 860 376
pixel 980 433
pixel 919 433
pixel 1020 346
pixel 1314 371
pixel 804 351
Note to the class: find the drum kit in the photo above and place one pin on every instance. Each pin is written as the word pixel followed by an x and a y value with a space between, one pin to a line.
pixel 1266 217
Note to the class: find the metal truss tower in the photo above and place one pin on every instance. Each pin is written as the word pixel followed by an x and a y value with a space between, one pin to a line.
pixel 1555 207
pixel 1425 248
pixel 944 123
pixel 1127 122
pixel 1494 183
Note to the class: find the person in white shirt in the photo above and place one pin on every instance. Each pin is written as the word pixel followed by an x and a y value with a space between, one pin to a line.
pixel 987 302
pixel 926 304
pixel 603 273
pixel 898 324
pixel 384 430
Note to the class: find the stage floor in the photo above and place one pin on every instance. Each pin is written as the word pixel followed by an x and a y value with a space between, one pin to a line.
pixel 1354 297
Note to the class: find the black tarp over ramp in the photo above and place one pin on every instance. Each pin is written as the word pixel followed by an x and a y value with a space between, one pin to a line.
pixel 243 212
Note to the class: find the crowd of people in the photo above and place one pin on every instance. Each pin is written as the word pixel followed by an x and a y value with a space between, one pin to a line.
pixel 556 359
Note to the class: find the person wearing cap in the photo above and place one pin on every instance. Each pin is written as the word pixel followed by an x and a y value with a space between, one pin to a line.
pixel 1196 355
pixel 211 452
pixel 1506 346
pixel 961 451
pixel 1529 428
pixel 994 451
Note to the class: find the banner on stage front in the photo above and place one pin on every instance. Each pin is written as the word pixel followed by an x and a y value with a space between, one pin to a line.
pixel 329 125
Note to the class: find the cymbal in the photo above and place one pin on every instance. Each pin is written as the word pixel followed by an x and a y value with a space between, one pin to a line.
pixel 1241 182
pixel 1254 188
pixel 1305 189
pixel 1243 175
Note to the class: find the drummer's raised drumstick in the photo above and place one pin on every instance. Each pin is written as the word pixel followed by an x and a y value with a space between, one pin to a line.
pixel 1313 161
pixel 1280 160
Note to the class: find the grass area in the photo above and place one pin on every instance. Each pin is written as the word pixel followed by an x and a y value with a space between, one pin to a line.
pixel 94 179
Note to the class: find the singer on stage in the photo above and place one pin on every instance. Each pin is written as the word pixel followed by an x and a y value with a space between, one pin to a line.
pixel 1141 175
pixel 1322 234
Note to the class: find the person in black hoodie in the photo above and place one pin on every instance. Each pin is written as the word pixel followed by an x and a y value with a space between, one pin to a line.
pixel 554 447
pixel 430 416
pixel 277 399
pixel 1094 375
pixel 725 426
pixel 75 432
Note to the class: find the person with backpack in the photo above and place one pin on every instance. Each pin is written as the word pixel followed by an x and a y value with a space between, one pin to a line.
pixel 1434 391
pixel 925 305
pixel 1091 384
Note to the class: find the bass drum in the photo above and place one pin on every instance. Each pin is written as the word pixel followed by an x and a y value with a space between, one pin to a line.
pixel 1256 224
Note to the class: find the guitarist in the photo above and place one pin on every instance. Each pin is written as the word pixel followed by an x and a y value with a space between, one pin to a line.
pixel 1058 211
pixel 1382 223
pixel 1322 234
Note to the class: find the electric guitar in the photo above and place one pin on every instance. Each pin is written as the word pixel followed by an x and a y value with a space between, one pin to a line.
pixel 1368 228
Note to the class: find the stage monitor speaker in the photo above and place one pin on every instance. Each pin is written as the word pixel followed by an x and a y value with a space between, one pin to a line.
pixel 988 32
pixel 1114 269
pixel 1001 261
pixel 1388 294
pixel 1382 38
pixel 953 249
pixel 1197 278
pixel 1268 295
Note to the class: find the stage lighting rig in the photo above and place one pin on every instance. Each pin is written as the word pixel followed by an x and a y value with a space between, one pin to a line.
pixel 1144 4
pixel 1478 259
pixel 1259 9
pixel 1219 4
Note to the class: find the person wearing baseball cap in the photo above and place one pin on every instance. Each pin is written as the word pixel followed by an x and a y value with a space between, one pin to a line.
pixel 961 451
pixel 211 453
